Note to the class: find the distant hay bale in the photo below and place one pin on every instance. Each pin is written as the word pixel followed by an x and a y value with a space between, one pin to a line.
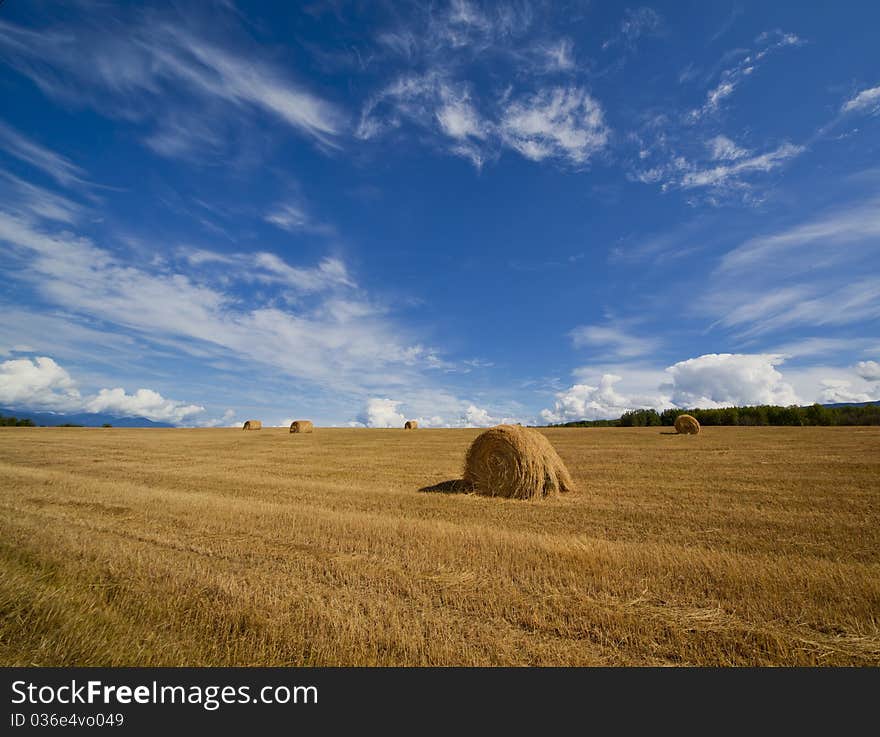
pixel 515 462
pixel 411 425
pixel 252 425
pixel 687 425
pixel 302 426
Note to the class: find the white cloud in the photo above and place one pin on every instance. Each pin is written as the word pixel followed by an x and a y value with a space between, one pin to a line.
pixel 474 416
pixel 380 412
pixel 562 122
pixel 61 169
pixel 721 175
pixel 595 402
pixel 450 412
pixel 732 77
pixel 728 379
pixel 37 384
pixel 557 56
pixel 868 370
pixel 838 390
pixel 728 168
pixel 457 116
pixel 724 149
pixel 29 199
pixel 864 100
pixel 636 23
pixel 616 340
pixel 338 337
pixel 41 384
pixel 122 64
pixel 814 273
pixel 143 403
pixel 803 246
pixel 289 217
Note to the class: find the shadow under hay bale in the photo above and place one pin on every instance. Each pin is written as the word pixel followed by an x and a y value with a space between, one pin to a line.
pixel 453 486
pixel 687 425
pixel 302 426
pixel 515 462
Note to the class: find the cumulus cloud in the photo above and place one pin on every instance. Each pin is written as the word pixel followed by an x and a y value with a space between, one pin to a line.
pixel 707 381
pixel 143 403
pixel 37 384
pixel 386 412
pixel 840 390
pixel 727 379
pixel 42 384
pixel 868 370
pixel 868 99
pixel 600 401
pixel 380 412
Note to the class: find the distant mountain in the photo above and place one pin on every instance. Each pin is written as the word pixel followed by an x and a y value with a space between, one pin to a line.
pixel 853 404
pixel 89 419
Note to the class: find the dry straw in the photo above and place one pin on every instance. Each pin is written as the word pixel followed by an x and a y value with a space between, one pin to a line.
pixel 252 425
pixel 687 425
pixel 302 426
pixel 411 425
pixel 515 462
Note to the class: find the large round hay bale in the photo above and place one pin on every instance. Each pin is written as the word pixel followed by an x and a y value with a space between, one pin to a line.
pixel 411 425
pixel 687 425
pixel 515 462
pixel 252 425
pixel 301 426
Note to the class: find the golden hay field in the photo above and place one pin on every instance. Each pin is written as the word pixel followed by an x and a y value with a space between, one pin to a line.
pixel 221 547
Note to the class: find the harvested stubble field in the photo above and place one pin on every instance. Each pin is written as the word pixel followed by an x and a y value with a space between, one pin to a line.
pixel 221 547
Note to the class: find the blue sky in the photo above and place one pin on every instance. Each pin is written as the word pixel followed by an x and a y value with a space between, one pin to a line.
pixel 457 212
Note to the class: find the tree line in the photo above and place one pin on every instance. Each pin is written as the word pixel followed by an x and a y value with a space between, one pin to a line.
pixel 15 422
pixel 27 422
pixel 760 415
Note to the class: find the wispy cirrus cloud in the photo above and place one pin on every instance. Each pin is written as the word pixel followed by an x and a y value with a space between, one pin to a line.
pixel 27 198
pixel 59 167
pixel 732 77
pixel 636 23
pixel 561 123
pixel 814 273
pixel 865 100
pixel 613 339
pixel 686 151
pixel 339 336
pixel 121 63
pixel 564 123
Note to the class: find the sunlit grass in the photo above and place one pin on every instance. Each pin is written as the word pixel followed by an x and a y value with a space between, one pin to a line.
pixel 222 547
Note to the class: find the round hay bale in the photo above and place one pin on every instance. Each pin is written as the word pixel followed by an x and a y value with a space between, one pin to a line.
pixel 252 425
pixel 687 425
pixel 411 425
pixel 301 426
pixel 515 462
